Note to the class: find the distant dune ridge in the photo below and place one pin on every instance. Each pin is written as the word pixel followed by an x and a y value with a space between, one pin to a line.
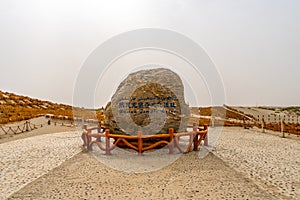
pixel 17 108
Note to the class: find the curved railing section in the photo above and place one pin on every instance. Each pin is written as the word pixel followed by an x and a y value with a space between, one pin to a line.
pixel 137 142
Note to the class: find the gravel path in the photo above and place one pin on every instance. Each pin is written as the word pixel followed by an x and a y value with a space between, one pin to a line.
pixel 271 161
pixel 25 160
pixel 84 177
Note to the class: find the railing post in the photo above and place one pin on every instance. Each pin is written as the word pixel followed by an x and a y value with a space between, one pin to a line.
pixel 206 136
pixel 99 128
pixel 107 142
pixel 190 142
pixel 171 144
pixel 83 137
pixel 98 139
pixel 140 143
pixel 89 139
pixel 99 131
pixel 195 136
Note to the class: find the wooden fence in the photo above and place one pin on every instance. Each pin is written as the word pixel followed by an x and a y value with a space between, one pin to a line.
pixel 137 142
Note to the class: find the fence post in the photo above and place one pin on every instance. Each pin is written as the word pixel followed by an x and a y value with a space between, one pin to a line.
pixel 89 139
pixel 212 121
pixel 27 129
pixel 263 125
pixel 107 142
pixel 206 137
pixel 83 137
pixel 98 139
pixel 171 144
pixel 190 142
pixel 99 131
pixel 282 128
pixel 195 136
pixel 140 143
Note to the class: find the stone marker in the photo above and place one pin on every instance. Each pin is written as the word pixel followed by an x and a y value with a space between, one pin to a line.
pixel 151 101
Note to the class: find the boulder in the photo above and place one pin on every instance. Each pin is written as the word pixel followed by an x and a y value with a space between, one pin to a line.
pixel 151 101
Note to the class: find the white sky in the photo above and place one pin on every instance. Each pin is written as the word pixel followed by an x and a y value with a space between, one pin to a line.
pixel 254 44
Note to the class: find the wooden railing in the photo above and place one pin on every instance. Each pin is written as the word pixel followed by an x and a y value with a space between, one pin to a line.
pixel 169 139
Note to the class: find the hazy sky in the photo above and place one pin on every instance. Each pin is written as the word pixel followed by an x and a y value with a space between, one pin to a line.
pixel 254 44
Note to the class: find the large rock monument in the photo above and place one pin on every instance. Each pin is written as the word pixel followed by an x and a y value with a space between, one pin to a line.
pixel 151 101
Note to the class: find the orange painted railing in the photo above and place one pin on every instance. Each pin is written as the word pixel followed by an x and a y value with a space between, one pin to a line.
pixel 170 139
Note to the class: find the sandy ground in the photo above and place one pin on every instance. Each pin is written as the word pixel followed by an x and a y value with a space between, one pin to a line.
pixel 269 160
pixel 245 164
pixel 83 177
pixel 25 160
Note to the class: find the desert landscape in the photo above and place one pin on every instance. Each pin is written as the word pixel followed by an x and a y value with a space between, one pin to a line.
pixel 241 161
pixel 150 100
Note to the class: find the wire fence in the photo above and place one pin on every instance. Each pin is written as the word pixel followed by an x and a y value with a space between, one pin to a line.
pixel 17 129
pixel 28 126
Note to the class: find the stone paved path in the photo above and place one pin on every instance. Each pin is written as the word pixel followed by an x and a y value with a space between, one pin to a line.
pixel 24 160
